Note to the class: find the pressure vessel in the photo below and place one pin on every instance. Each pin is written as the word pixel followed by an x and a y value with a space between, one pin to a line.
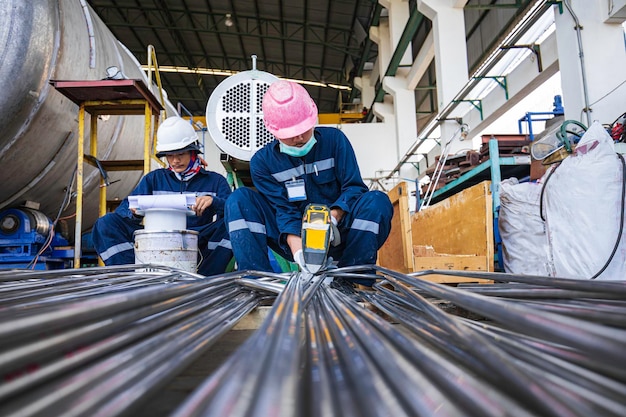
pixel 47 40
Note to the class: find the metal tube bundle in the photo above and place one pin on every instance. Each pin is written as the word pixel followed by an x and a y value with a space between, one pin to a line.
pixel 261 377
pixel 422 381
pixel 101 354
pixel 557 360
pixel 363 374
pixel 540 346
pixel 536 359
pixel 545 375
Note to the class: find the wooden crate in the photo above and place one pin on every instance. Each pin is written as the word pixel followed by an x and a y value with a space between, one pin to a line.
pixel 397 252
pixel 460 230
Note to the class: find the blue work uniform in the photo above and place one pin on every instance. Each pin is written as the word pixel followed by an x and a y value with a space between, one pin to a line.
pixel 113 233
pixel 329 175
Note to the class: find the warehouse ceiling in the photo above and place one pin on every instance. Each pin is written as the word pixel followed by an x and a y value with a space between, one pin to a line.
pixel 324 41
pixel 319 41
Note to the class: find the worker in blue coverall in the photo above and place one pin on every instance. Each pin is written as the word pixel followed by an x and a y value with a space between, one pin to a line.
pixel 304 165
pixel 178 143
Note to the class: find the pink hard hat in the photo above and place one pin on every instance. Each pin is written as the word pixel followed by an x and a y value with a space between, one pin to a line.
pixel 288 110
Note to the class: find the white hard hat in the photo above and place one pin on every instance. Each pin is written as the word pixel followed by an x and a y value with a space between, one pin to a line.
pixel 176 134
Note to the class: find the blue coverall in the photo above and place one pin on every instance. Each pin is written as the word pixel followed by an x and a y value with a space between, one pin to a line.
pixel 331 176
pixel 113 233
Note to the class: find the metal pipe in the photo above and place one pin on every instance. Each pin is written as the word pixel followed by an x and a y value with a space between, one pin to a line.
pixel 613 287
pixel 560 351
pixel 20 274
pixel 534 292
pixel 604 315
pixel 164 353
pixel 40 349
pixel 519 384
pixel 557 377
pixel 257 284
pixel 552 365
pixel 365 381
pixel 318 352
pixel 325 383
pixel 51 318
pixel 395 371
pixel 581 56
pixel 259 378
pixel 43 292
pixel 592 339
pixel 466 390
pixel 168 362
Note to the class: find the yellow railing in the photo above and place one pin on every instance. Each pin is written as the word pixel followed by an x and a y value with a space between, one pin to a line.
pixel 153 64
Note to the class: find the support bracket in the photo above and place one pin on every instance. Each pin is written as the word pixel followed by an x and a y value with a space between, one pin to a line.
pixel 500 79
pixel 534 48
pixel 478 105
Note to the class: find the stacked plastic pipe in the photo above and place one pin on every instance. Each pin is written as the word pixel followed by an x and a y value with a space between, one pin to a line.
pixel 522 346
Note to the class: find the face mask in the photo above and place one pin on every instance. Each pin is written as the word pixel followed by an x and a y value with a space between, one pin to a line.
pixel 298 152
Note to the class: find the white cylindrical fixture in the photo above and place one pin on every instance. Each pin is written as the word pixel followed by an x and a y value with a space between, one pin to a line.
pixel 164 219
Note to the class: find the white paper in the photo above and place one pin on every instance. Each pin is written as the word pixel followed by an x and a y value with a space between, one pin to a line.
pixel 162 201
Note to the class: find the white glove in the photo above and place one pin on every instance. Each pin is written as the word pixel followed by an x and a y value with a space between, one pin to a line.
pixel 335 236
pixel 298 257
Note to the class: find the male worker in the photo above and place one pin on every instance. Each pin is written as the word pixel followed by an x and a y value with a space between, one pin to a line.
pixel 178 143
pixel 305 165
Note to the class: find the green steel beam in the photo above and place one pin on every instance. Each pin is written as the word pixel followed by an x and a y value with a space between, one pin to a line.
pixel 366 48
pixel 414 22
pixel 558 3
pixel 516 5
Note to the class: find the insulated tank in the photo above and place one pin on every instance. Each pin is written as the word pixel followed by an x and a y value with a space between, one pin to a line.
pixel 47 40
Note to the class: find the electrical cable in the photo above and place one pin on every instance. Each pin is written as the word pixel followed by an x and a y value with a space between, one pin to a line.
pixel 62 207
pixel 543 188
pixel 606 95
pixel 621 220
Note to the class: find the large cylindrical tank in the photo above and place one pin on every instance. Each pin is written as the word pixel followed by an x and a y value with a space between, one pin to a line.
pixel 47 40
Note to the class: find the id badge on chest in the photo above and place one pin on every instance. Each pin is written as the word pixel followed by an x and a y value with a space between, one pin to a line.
pixel 296 190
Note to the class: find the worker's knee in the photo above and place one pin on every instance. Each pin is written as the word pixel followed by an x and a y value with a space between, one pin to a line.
pixel 242 194
pixel 377 202
pixel 244 203
pixel 107 225
pixel 239 200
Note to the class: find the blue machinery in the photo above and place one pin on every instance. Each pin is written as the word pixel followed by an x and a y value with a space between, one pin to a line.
pixel 531 117
pixel 27 240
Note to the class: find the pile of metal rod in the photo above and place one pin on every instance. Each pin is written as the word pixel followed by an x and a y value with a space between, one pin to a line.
pixel 94 342
pixel 524 358
pixel 98 342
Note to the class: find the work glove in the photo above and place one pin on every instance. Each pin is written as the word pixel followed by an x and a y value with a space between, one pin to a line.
pixel 298 257
pixel 335 236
